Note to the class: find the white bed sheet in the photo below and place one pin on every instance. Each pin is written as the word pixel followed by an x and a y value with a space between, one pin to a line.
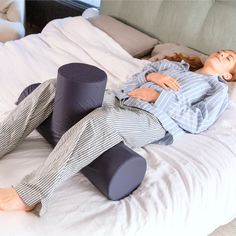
pixel 189 187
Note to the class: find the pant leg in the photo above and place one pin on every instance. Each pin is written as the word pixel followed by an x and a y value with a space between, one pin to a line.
pixel 31 112
pixel 84 142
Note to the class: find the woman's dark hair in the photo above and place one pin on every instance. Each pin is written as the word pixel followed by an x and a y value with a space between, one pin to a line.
pixel 234 77
pixel 194 61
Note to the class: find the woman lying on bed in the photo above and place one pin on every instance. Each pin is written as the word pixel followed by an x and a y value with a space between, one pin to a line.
pixel 157 105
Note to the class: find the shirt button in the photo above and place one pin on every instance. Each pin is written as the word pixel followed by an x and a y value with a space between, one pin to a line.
pixel 122 90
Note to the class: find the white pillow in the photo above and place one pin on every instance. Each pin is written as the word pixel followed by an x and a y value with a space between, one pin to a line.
pixel 232 91
pixel 135 42
pixel 169 49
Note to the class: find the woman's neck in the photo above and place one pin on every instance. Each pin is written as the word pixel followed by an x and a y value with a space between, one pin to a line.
pixel 206 70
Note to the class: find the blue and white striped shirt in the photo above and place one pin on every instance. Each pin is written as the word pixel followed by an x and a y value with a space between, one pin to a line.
pixel 194 108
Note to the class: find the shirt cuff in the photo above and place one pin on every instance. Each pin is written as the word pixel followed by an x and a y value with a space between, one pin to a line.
pixel 142 78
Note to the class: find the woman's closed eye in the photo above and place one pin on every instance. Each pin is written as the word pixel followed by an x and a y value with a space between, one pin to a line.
pixel 230 58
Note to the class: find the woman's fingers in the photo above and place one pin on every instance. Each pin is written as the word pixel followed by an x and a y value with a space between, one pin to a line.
pixel 169 85
pixel 132 93
pixel 176 83
pixel 136 93
pixel 146 94
pixel 164 86
pixel 172 84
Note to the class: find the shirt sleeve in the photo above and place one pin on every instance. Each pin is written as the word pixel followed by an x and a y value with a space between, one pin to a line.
pixel 139 78
pixel 198 117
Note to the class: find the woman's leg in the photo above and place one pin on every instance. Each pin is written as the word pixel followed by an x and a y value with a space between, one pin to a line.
pixel 85 141
pixel 31 112
pixel 28 115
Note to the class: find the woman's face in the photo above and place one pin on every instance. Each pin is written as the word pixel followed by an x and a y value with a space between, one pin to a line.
pixel 222 61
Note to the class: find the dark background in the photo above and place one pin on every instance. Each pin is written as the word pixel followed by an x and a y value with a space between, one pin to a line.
pixel 40 12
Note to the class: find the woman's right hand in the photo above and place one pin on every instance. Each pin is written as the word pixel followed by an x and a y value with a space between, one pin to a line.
pixel 163 81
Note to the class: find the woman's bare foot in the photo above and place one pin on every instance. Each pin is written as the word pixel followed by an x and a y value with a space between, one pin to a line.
pixel 10 201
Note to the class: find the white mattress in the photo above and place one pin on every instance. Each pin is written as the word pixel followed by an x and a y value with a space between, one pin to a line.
pixel 189 187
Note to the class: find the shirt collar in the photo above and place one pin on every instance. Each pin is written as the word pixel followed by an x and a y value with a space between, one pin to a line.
pixel 185 65
pixel 220 79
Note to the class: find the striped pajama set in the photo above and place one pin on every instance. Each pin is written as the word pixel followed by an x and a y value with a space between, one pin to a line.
pixel 85 141
pixel 135 122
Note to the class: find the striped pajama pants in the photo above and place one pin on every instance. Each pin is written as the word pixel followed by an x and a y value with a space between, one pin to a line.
pixel 80 145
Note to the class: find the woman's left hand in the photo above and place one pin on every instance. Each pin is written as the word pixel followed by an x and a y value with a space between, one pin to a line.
pixel 146 94
pixel 164 81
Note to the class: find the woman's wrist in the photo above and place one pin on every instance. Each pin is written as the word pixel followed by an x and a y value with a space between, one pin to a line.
pixel 148 77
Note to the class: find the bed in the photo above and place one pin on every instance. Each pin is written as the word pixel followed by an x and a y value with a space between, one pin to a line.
pixel 189 186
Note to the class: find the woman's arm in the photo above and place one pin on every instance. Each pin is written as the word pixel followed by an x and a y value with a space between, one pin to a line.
pixel 139 78
pixel 198 117
pixel 149 74
pixel 164 81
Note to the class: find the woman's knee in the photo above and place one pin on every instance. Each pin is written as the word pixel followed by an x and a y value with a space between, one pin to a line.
pixel 49 82
pixel 48 86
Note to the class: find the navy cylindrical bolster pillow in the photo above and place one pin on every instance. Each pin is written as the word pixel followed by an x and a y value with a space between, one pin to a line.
pixel 80 89
pixel 117 172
